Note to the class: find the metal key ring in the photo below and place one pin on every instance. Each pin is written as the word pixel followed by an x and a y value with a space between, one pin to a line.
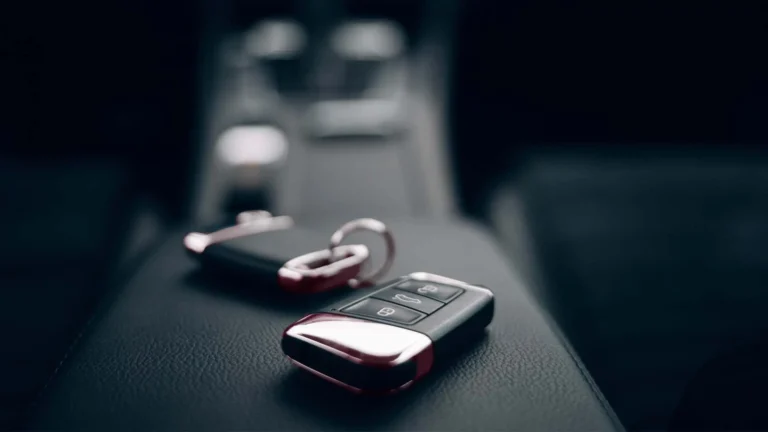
pixel 365 224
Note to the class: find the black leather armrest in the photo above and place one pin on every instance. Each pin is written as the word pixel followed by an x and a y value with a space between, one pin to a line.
pixel 181 351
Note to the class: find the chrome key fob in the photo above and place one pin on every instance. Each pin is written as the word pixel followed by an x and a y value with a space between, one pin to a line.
pixel 387 338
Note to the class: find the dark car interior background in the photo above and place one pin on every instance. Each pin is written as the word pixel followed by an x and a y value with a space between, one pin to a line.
pixel 602 165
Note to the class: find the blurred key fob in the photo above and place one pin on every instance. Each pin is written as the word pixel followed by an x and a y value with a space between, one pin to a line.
pixel 384 340
pixel 272 249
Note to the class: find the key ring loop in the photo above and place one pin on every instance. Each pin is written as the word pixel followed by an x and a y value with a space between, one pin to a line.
pixel 365 224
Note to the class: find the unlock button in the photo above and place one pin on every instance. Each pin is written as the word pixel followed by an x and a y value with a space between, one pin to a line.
pixel 408 299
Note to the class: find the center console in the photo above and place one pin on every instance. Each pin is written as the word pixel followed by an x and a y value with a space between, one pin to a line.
pixel 323 110
pixel 326 108
pixel 177 349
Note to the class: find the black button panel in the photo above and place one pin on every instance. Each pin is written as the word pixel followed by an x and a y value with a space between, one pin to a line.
pixel 405 303
pixel 443 293
pixel 374 308
pixel 408 299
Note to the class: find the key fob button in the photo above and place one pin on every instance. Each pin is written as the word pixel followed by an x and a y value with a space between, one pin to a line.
pixel 409 299
pixel 443 293
pixel 382 310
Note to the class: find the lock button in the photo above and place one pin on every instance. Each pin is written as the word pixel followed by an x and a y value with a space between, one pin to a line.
pixel 409 299
pixel 373 308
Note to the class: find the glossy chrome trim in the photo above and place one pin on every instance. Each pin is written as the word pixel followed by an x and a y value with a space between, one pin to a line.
pixel 314 272
pixel 365 224
pixel 196 242
pixel 430 277
pixel 363 342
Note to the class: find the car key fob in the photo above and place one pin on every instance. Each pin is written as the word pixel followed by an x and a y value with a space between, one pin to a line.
pixel 272 249
pixel 384 340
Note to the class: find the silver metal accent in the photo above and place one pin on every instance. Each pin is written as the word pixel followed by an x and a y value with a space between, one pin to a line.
pixel 252 145
pixel 431 277
pixel 315 272
pixel 197 242
pixel 360 341
pixel 365 224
